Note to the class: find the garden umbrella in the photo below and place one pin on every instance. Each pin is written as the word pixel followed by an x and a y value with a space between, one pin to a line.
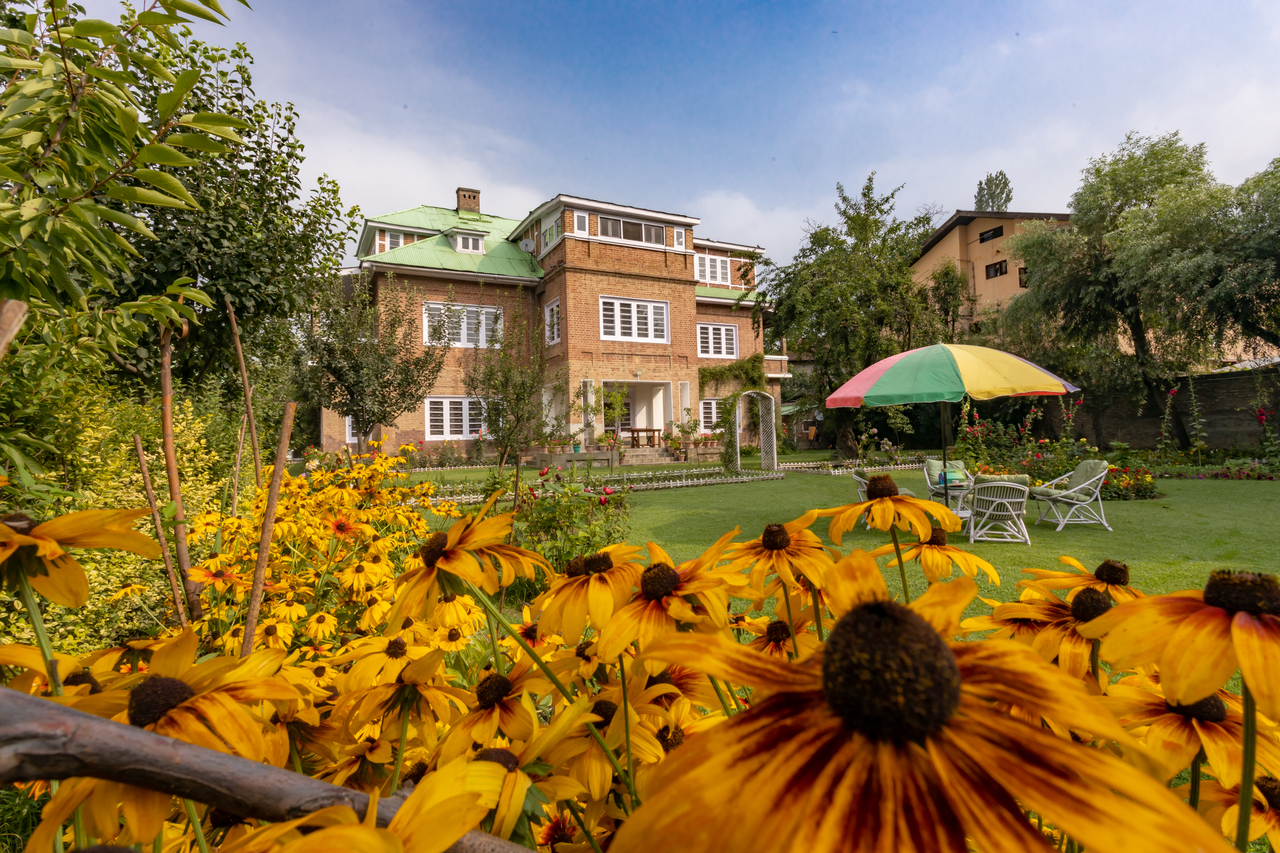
pixel 944 373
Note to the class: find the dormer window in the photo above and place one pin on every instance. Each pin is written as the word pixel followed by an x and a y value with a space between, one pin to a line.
pixel 467 243
pixel 388 240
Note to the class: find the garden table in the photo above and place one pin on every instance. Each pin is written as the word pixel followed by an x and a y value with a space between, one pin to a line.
pixel 651 432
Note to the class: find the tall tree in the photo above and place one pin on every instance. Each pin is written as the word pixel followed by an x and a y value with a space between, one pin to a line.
pixel 994 193
pixel 508 377
pixel 1075 278
pixel 366 359
pixel 949 294
pixel 849 298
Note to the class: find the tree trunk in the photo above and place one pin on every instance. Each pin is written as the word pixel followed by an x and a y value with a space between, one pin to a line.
pixel 194 606
pixel 13 313
pixel 1142 353
pixel 179 605
pixel 268 526
pixel 248 396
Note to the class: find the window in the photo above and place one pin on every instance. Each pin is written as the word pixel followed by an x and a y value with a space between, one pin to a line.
pixel 655 234
pixel 468 243
pixel 997 269
pixel 611 228
pixel 465 325
pixel 633 320
pixel 453 417
pixel 393 239
pixel 638 232
pixel 551 321
pixel 710 413
pixel 679 238
pixel 987 236
pixel 717 341
pixel 351 434
pixel 624 422
pixel 552 228
pixel 580 222
pixel 712 269
pixel 1022 276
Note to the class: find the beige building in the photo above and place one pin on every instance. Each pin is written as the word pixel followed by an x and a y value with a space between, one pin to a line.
pixel 975 241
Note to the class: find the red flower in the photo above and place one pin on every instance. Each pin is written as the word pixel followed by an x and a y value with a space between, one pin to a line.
pixel 608 491
pixel 543 472
pixel 603 500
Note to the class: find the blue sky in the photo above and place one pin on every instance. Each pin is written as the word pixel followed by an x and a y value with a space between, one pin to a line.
pixel 747 115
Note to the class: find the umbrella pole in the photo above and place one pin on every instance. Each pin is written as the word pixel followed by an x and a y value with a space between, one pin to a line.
pixel 946 431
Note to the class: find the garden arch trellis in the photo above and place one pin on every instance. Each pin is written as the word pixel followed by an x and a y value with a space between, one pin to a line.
pixel 768 434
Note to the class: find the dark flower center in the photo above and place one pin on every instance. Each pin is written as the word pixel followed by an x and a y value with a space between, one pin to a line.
pixel 449 597
pixel 498 755
pixel 82 677
pixel 371 601
pixel 938 537
pixel 1112 572
pixel 454 635
pixel 555 832
pixel 888 674
pixel 596 563
pixel 670 737
pixel 775 538
pixel 220 819
pixel 415 773
pixel 881 486
pixel 319 671
pixel 270 630
pixel 1243 592
pixel 604 709
pixel 407 623
pixel 320 620
pixel 1270 788
pixel 1089 604
pixel 433 549
pixel 576 568
pixel 778 632
pixel 155 697
pixel 1210 709
pixel 492 690
pixel 375 559
pixel 581 651
pixel 658 581
pixel 397 648
pixel 529 631
pixel 663 677
pixel 18 523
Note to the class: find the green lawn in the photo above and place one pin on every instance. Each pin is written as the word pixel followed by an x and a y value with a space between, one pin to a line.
pixel 1170 543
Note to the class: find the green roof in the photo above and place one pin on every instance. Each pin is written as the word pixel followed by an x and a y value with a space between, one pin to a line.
pixel 725 293
pixel 501 257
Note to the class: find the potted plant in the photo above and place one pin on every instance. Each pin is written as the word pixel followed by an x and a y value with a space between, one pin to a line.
pixel 575 441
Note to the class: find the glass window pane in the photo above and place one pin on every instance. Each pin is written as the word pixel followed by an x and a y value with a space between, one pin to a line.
pixel 632 231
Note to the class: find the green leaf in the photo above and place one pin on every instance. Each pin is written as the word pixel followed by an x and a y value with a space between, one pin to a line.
pixel 141 195
pixel 167 104
pixel 128 119
pixel 217 130
pixel 214 5
pixel 164 155
pixel 11 62
pixel 123 78
pixel 189 8
pixel 93 28
pixel 124 220
pixel 153 66
pixel 10 175
pixel 197 142
pixel 159 19
pixel 21 38
pixel 166 182
pixel 220 119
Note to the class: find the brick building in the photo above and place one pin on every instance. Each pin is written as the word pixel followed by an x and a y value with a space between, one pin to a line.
pixel 628 297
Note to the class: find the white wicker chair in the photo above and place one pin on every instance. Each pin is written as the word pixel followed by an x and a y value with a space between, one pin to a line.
pixel 1079 501
pixel 955 489
pixel 995 512
pixel 862 480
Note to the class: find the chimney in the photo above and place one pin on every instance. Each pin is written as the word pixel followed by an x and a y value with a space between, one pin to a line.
pixel 468 199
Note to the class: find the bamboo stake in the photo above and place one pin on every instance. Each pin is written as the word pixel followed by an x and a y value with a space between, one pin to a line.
pixel 248 393
pixel 194 608
pixel 268 525
pixel 179 604
pixel 235 482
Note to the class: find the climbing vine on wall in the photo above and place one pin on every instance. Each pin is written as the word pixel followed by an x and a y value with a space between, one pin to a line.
pixel 749 371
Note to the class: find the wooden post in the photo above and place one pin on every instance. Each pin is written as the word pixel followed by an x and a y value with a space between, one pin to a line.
pixel 235 481
pixel 268 525
pixel 248 393
pixel 12 314
pixel 178 599
pixel 194 607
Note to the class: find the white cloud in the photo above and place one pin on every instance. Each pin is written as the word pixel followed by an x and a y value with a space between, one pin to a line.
pixel 735 217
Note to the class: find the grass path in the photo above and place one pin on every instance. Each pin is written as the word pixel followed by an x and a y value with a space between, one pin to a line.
pixel 1169 543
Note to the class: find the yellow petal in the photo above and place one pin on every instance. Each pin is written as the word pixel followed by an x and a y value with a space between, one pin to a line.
pixel 100 528
pixel 174 657
pixel 65 583
pixel 1257 643
pixel 943 603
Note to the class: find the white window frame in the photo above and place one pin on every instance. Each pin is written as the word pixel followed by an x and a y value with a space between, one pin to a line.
pixel 581 218
pixel 351 436
pixel 634 315
pixel 679 238
pixel 473 245
pixel 466 411
pixel 469 325
pixel 724 335
pixel 551 229
pixel 622 229
pixel 706 269
pixel 716 409
pixel 551 320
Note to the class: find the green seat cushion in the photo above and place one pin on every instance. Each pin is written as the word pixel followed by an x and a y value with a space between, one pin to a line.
pixel 1045 491
pixel 1020 479
pixel 1086 471
pixel 906 493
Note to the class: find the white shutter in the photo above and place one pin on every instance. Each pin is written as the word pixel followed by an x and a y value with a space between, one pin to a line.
pixel 659 322
pixel 708 413
pixel 731 341
pixel 475 417
pixel 435 418
pixel 624 320
pixel 642 320
pixel 702 267
pixel 455 418
pixel 724 270
pixel 704 340
pixel 713 275
pixel 717 340
pixel 608 323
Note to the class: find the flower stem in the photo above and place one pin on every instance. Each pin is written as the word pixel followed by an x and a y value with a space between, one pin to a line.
pixel 902 566
pixel 626 716
pixel 493 639
pixel 577 818
pixel 1246 769
pixel 42 637
pixel 404 735
pixel 791 624
pixel 1095 666
pixel 733 697
pixel 559 685
pixel 293 754
pixel 720 695
pixel 195 826
pixel 817 614
pixel 1195 778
